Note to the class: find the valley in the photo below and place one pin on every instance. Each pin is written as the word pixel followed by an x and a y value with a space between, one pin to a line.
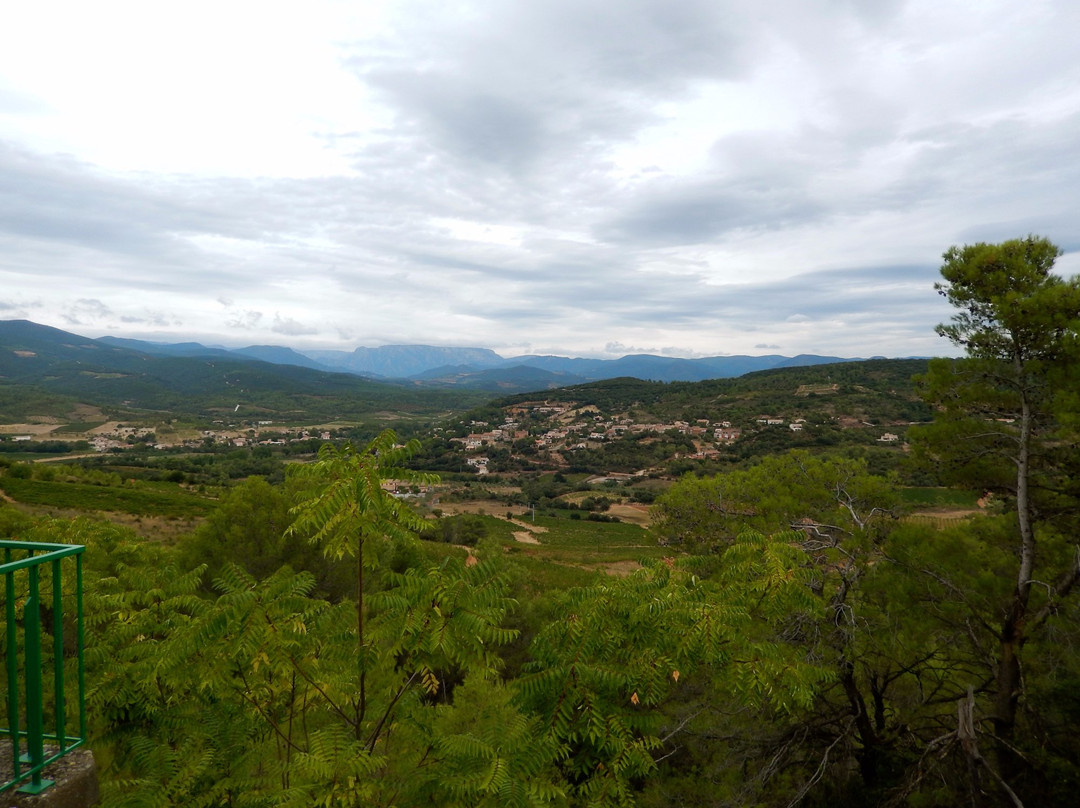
pixel 664 557
pixel 598 453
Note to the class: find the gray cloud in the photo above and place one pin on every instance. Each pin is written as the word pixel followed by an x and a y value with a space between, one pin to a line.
pixel 696 212
pixel 704 176
pixel 153 319
pixel 87 312
pixel 290 327
pixel 513 84
pixel 20 306
pixel 244 319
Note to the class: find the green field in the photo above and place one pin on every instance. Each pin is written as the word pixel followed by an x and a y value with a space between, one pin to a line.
pixel 573 552
pixel 928 497
pixel 140 500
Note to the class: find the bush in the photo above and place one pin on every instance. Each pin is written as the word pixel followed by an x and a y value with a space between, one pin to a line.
pixel 466 529
pixel 44 473
pixel 601 517
pixel 20 471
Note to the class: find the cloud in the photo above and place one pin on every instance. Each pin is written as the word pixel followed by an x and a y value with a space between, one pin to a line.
pixel 20 306
pixel 618 349
pixel 85 311
pixel 152 319
pixel 15 102
pixel 693 211
pixel 706 176
pixel 290 327
pixel 246 320
pixel 517 87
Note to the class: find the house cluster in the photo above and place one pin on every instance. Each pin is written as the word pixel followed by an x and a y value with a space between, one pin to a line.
pixel 563 428
pixel 597 430
pixel 508 432
pixel 120 438
pixel 252 438
pixel 403 489
pixel 569 427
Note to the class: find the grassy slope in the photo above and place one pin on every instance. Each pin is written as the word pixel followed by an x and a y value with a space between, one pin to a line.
pixel 140 499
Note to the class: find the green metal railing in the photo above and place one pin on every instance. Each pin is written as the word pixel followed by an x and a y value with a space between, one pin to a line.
pixel 42 714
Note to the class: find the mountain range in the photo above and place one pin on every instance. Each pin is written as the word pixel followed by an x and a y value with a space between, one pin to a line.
pixel 48 369
pixel 411 365
pixel 484 369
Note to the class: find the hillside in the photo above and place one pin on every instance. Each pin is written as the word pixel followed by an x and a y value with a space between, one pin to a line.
pixel 481 368
pixel 881 389
pixel 629 426
pixel 44 366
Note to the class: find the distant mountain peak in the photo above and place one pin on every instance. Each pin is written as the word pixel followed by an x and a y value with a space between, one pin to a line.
pixel 434 364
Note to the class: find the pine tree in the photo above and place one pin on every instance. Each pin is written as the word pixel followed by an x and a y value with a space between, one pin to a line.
pixel 1006 417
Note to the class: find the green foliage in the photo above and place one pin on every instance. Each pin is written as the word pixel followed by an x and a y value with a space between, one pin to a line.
pixel 1007 413
pixel 248 528
pixel 938 497
pixel 462 529
pixel 138 500
pixel 829 496
pixel 625 645
pixel 491 753
pixel 19 471
pixel 348 503
pixel 1008 300
pixel 43 446
pixel 13 522
pixel 302 648
pixel 252 698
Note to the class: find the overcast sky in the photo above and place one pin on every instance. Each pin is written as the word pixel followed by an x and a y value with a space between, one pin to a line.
pixel 583 177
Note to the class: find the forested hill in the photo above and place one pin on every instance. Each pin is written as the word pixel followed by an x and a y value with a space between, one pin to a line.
pixel 873 389
pixel 39 363
pixel 481 368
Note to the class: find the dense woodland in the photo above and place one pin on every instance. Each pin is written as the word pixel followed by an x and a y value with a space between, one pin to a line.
pixel 790 640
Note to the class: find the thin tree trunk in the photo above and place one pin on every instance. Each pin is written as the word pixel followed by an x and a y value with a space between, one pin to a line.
pixel 1009 677
pixel 362 706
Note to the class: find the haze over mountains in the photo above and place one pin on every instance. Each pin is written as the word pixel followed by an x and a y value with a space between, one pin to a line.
pixel 435 366
pixel 482 367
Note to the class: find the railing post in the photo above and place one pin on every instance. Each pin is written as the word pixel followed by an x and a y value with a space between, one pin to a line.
pixel 58 654
pixel 12 639
pixel 34 724
pixel 28 727
pixel 80 644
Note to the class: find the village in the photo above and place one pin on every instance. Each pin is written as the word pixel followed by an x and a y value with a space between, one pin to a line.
pixel 556 431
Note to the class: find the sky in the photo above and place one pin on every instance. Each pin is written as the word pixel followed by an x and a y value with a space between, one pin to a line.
pixel 575 177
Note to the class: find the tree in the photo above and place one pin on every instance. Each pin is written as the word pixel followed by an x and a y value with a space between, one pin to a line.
pixel 830 495
pixel 1007 414
pixel 259 697
pixel 348 511
pixel 247 528
pixel 843 516
pixel 626 646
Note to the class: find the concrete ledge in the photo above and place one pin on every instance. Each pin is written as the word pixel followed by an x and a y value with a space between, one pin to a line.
pixel 75 785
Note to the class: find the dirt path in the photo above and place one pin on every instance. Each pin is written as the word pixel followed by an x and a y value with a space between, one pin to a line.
pixel 635 514
pixel 28 429
pixel 526 536
pixel 621 569
pixel 62 458
pixel 528 526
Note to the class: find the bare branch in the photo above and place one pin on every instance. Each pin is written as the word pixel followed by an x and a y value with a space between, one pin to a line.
pixel 817 775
